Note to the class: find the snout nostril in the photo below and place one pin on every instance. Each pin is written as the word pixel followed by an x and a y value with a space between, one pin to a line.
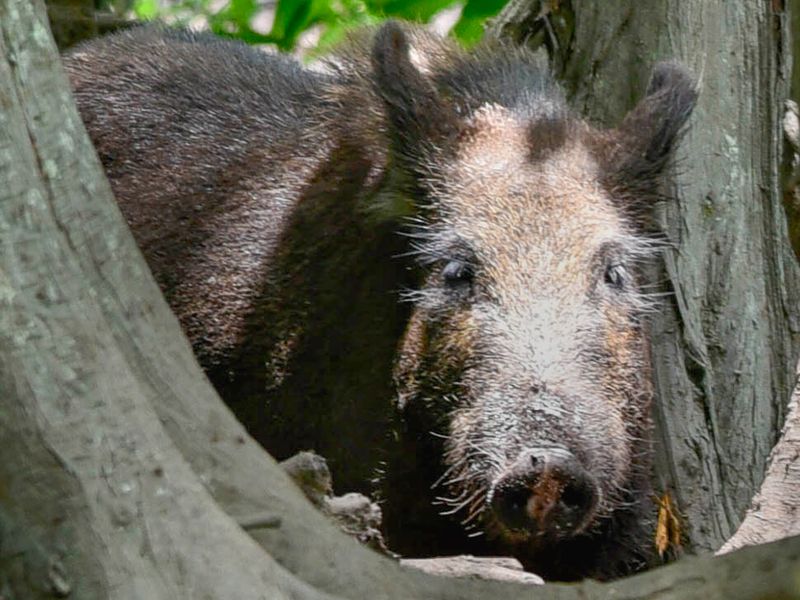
pixel 546 492
pixel 510 505
pixel 517 500
pixel 573 497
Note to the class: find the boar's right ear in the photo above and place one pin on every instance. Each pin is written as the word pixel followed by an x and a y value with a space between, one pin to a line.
pixel 416 110
pixel 649 133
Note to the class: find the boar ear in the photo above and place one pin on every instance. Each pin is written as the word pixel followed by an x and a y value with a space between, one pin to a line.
pixel 416 110
pixel 650 132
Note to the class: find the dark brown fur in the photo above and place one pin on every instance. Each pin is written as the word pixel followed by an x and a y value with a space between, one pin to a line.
pixel 268 200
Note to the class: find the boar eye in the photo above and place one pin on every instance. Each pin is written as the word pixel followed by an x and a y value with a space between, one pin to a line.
pixel 616 275
pixel 457 273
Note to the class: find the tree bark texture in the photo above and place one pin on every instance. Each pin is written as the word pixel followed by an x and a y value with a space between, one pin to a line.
pixel 726 341
pixel 791 192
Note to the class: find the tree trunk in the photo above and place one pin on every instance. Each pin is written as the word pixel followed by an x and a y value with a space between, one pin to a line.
pixel 119 465
pixel 726 342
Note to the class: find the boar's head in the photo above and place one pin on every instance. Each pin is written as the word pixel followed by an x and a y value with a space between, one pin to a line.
pixel 527 349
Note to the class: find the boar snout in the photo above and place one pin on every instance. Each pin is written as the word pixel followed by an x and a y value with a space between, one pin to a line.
pixel 545 492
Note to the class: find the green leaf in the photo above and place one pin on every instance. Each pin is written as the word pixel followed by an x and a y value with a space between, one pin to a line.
pixel 469 31
pixel 294 17
pixel 241 11
pixel 335 32
pixel 234 19
pixel 482 8
pixel 290 16
pixel 469 28
pixel 145 9
pixel 416 10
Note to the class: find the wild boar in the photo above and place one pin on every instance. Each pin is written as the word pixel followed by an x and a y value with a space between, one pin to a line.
pixel 416 238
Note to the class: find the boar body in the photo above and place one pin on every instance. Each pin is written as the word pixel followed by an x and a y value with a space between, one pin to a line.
pixel 416 239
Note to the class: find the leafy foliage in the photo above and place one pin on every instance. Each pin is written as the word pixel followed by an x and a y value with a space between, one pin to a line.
pixel 292 18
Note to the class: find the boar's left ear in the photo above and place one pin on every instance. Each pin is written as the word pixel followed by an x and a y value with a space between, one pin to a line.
pixel 650 132
pixel 417 112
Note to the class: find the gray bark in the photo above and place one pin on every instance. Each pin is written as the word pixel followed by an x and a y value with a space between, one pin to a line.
pixel 726 342
pixel 791 192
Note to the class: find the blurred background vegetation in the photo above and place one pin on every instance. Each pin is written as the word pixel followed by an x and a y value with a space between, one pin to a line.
pixel 310 27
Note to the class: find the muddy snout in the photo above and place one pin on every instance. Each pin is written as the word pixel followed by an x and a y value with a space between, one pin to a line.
pixel 545 492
